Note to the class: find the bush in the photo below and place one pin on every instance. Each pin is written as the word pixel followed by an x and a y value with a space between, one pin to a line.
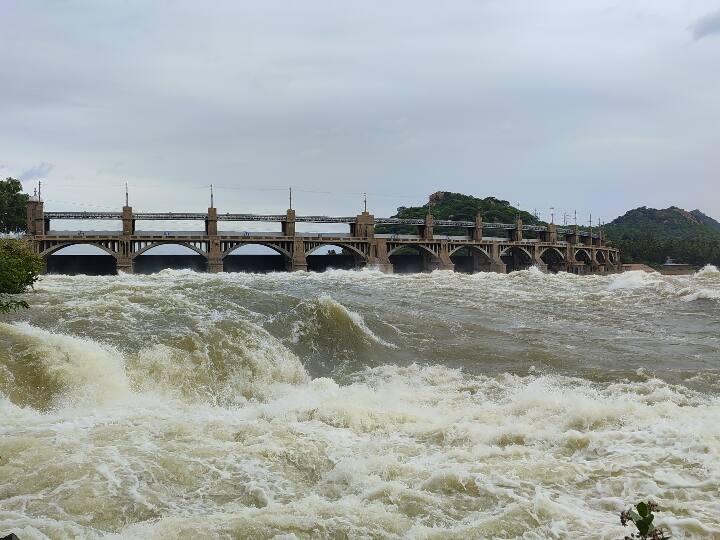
pixel 19 269
pixel 642 517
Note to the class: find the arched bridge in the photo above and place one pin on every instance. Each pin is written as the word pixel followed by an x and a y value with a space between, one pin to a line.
pixel 492 247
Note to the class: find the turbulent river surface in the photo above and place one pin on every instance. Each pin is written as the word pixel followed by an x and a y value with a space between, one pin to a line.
pixel 360 405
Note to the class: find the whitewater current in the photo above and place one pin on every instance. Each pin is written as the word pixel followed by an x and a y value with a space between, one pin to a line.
pixel 354 404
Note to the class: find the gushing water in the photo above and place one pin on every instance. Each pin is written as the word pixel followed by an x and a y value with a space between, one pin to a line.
pixel 360 405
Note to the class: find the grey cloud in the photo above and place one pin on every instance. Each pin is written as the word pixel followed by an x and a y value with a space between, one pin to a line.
pixel 38 172
pixel 707 26
pixel 560 103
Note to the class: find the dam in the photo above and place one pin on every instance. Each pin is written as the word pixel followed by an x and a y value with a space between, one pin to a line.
pixel 468 246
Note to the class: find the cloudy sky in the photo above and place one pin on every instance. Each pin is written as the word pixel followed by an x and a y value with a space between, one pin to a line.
pixel 594 105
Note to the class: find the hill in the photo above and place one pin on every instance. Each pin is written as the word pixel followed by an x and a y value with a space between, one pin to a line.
pixel 707 220
pixel 459 207
pixel 648 235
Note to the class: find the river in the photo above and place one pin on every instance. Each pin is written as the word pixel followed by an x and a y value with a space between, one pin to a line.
pixel 360 405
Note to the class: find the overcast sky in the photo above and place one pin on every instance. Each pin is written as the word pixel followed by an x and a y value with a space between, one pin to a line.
pixel 594 105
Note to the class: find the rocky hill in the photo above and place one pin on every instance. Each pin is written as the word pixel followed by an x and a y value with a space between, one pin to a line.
pixel 650 235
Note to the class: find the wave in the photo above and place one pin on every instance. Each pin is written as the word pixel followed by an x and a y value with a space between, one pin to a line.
pixel 230 363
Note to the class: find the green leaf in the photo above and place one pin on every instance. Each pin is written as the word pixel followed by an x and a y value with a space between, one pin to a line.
pixel 642 509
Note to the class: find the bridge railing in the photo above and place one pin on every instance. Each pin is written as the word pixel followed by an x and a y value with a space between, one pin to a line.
pixel 200 216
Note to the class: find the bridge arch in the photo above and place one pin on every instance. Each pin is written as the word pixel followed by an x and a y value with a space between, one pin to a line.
pixel 553 258
pixel 583 255
pixel 169 243
pixel 358 253
pixel 417 247
pixel 600 257
pixel 270 245
pixel 54 249
pixel 559 254
pixel 423 260
pixel 469 258
pixel 471 247
pixel 516 258
pixel 255 258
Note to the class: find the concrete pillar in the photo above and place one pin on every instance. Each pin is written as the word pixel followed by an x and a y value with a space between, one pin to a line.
pixel 572 238
pixel 215 261
pixel 288 226
pixel 211 222
pixel 35 214
pixel 496 265
pixel 444 256
pixel 299 262
pixel 378 258
pixel 128 221
pixel 537 259
pixel 476 233
pixel 124 261
pixel 426 230
pixel 552 235
pixel 516 235
pixel 125 265
pixel 364 226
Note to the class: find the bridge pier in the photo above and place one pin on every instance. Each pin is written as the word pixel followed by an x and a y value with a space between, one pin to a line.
pixel 445 263
pixel 299 261
pixel 214 261
pixel 125 265
pixel 378 257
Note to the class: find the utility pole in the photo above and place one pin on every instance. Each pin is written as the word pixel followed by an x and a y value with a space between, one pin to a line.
pixel 127 200
pixel 552 215
pixel 212 198
pixel 365 201
pixel 576 218
pixel 290 197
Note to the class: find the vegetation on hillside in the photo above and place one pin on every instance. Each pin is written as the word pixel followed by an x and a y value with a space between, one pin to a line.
pixel 647 235
pixel 19 269
pixel 12 206
pixel 459 207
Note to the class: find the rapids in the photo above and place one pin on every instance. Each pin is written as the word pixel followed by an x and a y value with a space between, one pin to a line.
pixel 360 405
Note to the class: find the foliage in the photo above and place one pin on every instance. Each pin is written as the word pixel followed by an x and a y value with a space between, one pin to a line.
pixel 12 206
pixel 459 207
pixel 642 517
pixel 647 235
pixel 19 269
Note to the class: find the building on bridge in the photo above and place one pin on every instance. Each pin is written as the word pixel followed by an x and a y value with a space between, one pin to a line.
pixel 485 247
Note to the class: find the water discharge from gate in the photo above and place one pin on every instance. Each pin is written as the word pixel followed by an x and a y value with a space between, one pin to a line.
pixel 360 404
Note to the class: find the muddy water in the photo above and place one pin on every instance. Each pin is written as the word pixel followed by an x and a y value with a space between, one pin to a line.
pixel 360 405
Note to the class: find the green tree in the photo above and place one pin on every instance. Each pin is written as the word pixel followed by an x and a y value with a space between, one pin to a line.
pixel 19 269
pixel 12 206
